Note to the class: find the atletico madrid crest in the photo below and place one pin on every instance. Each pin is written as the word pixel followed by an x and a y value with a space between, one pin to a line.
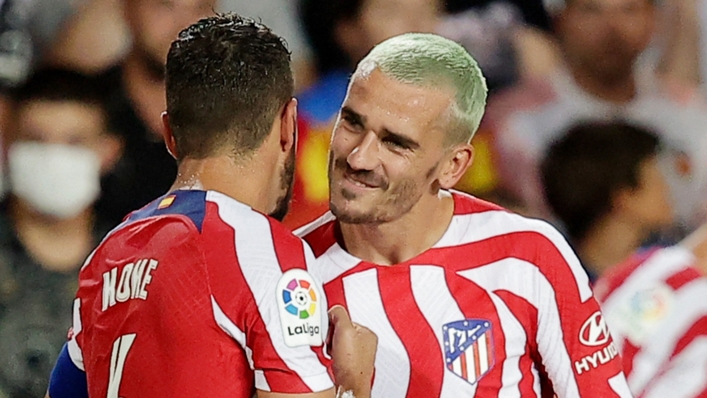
pixel 468 348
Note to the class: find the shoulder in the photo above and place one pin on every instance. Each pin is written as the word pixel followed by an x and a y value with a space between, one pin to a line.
pixel 486 219
pixel 512 240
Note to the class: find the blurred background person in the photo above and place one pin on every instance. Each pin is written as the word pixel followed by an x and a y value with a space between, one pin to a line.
pixel 136 94
pixel 603 184
pixel 58 148
pixel 601 42
pixel 656 306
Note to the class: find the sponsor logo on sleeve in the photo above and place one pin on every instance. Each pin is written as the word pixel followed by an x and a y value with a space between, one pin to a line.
pixel 299 302
pixel 595 333
pixel 468 348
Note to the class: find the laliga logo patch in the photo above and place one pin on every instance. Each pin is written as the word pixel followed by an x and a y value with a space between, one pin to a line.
pixel 468 348
pixel 298 302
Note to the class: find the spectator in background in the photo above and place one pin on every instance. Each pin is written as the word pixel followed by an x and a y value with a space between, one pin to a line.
pixel 137 99
pixel 601 42
pixel 603 183
pixel 655 304
pixel 58 148
pixel 281 17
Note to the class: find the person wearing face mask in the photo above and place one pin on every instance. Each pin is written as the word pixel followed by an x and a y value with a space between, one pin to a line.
pixel 58 147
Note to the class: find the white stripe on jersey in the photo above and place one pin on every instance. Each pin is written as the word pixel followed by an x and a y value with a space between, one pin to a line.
pixel 515 348
pixel 75 352
pixel 529 283
pixel 308 228
pixel 438 306
pixel 688 378
pixel 618 384
pixel 678 321
pixel 365 307
pixel 234 331
pixel 476 227
pixel 339 261
pixel 260 266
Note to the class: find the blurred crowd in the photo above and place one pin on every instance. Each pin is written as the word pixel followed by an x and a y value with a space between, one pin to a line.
pixel 596 121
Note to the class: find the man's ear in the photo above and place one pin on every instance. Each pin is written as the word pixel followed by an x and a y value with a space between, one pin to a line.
pixel 455 165
pixel 288 126
pixel 168 137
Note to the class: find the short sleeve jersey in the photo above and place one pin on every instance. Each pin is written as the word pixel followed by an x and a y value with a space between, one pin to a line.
pixel 655 304
pixel 498 307
pixel 198 295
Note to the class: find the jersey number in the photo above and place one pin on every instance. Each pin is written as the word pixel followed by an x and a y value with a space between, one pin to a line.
pixel 121 346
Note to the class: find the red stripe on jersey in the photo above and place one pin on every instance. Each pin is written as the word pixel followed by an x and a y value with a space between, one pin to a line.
pixel 680 279
pixel 470 204
pixel 289 250
pixel 322 238
pixel 627 355
pixel 490 385
pixel 415 333
pixel 230 289
pixel 699 328
pixel 519 306
pixel 333 291
pixel 616 276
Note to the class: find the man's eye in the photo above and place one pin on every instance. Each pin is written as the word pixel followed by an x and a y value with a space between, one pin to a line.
pixel 395 143
pixel 353 123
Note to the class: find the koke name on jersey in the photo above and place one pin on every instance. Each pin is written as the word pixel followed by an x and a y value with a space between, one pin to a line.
pixel 132 284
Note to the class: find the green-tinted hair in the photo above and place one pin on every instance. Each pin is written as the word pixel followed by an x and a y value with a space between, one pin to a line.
pixel 429 60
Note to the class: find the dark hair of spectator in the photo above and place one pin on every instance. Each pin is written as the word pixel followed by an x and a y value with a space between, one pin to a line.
pixel 320 19
pixel 227 77
pixel 583 171
pixel 53 84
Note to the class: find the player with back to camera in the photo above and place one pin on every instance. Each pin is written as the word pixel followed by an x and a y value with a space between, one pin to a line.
pixel 200 294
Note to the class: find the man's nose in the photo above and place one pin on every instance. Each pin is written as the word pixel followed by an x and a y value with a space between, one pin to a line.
pixel 365 156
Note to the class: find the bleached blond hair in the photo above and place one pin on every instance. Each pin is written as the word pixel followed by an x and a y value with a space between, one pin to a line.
pixel 429 60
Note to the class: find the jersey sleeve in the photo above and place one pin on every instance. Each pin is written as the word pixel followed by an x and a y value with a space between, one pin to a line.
pixel 573 340
pixel 685 375
pixel 264 297
pixel 67 380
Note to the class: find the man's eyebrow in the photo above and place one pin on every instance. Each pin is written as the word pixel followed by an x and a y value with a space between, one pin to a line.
pixel 400 139
pixel 353 116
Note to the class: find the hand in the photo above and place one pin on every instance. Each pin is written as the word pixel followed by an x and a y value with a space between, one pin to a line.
pixel 353 350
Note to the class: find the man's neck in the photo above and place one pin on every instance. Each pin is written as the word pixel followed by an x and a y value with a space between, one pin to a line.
pixel 609 243
pixel 246 183
pixel 146 93
pixel 57 244
pixel 618 90
pixel 405 238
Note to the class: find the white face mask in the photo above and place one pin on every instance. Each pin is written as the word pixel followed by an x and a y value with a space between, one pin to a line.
pixel 55 179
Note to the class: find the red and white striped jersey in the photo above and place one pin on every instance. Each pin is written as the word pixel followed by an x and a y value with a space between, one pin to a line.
pixel 499 307
pixel 656 306
pixel 197 295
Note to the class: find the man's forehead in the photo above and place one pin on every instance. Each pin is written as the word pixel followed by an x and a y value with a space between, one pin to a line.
pixel 375 88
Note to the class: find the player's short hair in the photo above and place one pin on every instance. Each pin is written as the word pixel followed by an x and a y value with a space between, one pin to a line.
pixel 583 171
pixel 56 84
pixel 429 60
pixel 227 77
